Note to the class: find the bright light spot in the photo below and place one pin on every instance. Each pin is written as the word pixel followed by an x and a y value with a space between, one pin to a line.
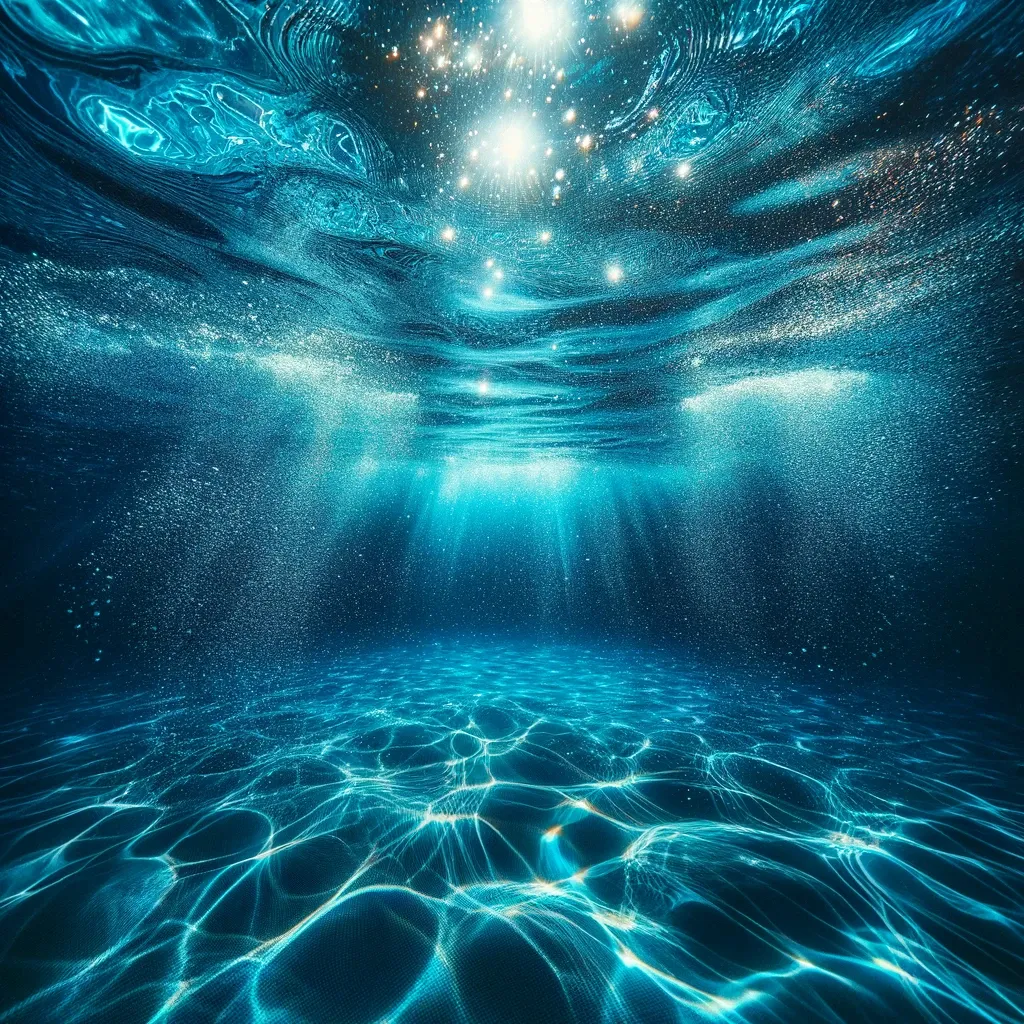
pixel 888 965
pixel 473 57
pixel 448 234
pixel 652 114
pixel 559 174
pixel 488 292
pixel 540 22
pixel 629 15
pixel 614 273
pixel 544 237
pixel 464 182
pixel 512 143
pixel 629 958
pixel 420 93
pixel 617 921
pixel 483 386
pixel 844 839
pixel 683 169
pixel 585 142
pixel 552 833
pixel 569 116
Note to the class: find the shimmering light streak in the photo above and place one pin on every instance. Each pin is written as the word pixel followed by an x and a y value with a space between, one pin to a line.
pixel 461 476
pixel 800 386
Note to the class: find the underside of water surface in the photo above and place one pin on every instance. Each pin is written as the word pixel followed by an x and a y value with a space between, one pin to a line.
pixel 513 511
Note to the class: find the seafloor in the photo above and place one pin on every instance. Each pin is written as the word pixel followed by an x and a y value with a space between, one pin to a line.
pixel 492 833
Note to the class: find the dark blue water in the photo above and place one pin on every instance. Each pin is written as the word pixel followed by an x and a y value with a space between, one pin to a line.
pixel 513 511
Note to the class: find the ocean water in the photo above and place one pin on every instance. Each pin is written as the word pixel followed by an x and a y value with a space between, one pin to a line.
pixel 489 832
pixel 513 511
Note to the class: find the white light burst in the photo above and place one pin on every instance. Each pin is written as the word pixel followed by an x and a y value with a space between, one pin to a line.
pixel 539 24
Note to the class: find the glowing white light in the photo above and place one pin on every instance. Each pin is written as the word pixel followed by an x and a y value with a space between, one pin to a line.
pixel 888 965
pixel 683 169
pixel 483 386
pixel 540 22
pixel 448 234
pixel 473 57
pixel 801 386
pixel 614 273
pixel 585 142
pixel 629 15
pixel 464 182
pixel 462 476
pixel 511 145
pixel 544 237
pixel 569 116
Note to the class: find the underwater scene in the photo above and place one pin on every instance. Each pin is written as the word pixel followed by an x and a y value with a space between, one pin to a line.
pixel 512 511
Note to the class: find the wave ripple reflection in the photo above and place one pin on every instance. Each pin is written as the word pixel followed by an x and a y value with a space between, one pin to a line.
pixel 489 833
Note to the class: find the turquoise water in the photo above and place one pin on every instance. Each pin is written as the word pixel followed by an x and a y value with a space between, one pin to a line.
pixel 492 832
pixel 513 511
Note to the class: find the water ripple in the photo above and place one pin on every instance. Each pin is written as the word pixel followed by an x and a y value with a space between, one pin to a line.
pixel 482 832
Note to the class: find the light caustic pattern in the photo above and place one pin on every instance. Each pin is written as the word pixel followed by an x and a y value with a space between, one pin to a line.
pixel 466 833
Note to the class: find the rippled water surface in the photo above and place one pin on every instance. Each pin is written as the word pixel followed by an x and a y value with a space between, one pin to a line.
pixel 508 230
pixel 483 832
pixel 591 327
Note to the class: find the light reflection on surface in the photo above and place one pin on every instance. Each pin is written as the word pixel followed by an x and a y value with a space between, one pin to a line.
pixel 479 832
